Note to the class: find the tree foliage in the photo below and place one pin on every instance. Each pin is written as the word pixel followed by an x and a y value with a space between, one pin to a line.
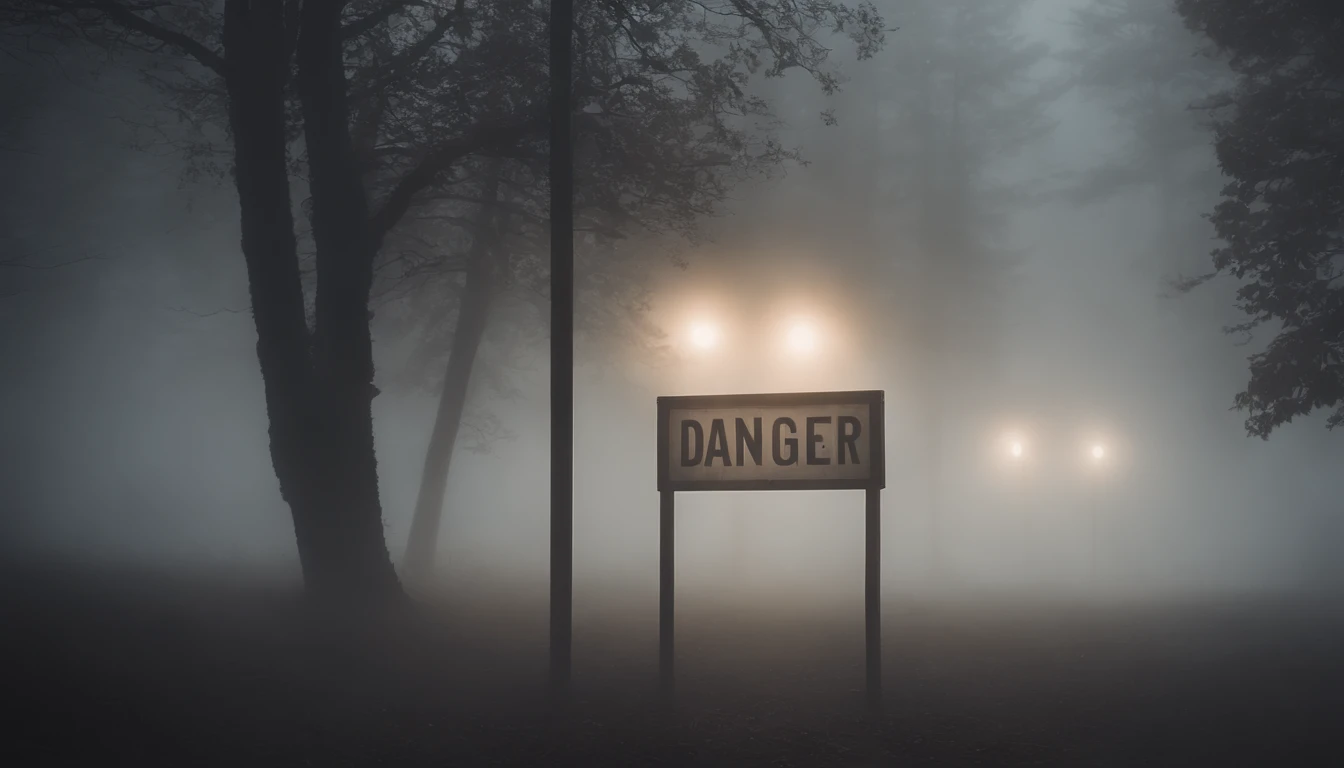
pixel 1279 137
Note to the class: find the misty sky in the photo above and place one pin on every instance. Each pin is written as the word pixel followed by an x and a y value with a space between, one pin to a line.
pixel 134 424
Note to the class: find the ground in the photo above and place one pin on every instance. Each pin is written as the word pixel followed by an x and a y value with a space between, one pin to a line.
pixel 161 669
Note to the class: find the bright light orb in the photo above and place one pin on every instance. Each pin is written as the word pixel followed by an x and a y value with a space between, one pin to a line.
pixel 802 338
pixel 704 336
pixel 1015 449
pixel 1098 452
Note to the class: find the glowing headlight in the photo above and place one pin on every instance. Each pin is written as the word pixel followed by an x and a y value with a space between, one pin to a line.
pixel 704 336
pixel 802 338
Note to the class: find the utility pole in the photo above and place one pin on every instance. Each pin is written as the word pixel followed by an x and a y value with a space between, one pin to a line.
pixel 562 346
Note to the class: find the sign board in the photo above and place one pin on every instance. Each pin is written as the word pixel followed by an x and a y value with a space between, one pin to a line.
pixel 783 441
pixel 787 441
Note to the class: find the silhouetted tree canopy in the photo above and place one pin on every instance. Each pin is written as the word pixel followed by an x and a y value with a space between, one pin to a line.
pixel 1279 140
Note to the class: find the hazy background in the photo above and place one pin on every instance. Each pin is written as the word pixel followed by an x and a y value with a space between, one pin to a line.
pixel 134 427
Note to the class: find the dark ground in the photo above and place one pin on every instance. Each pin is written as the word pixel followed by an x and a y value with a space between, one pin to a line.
pixel 160 669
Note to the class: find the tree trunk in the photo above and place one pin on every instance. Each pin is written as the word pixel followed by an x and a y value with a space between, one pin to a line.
pixel 471 320
pixel 257 65
pixel 347 519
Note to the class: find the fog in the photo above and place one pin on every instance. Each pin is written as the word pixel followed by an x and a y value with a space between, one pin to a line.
pixel 135 427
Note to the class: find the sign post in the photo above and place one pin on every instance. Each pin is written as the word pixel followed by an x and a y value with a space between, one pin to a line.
pixel 773 442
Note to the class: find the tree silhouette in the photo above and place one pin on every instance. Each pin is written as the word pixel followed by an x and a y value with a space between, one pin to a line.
pixel 1278 139
pixel 381 108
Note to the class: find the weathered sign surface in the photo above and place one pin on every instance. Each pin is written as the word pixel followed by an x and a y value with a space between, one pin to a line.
pixel 784 441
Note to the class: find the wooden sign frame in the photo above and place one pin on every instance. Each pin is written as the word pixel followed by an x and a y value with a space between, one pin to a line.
pixel 872 487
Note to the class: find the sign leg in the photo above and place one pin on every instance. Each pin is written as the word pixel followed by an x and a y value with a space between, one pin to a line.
pixel 666 582
pixel 872 594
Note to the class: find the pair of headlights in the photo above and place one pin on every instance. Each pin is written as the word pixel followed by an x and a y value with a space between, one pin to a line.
pixel 800 337
pixel 1017 449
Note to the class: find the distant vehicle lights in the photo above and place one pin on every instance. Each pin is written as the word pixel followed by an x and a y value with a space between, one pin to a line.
pixel 1014 448
pixel 799 338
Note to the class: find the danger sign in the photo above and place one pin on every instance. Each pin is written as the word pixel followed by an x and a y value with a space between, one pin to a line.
pixel 805 440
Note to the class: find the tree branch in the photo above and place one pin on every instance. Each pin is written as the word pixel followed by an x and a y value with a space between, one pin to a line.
pixel 398 65
pixel 366 24
pixel 20 263
pixel 485 137
pixel 220 311
pixel 125 17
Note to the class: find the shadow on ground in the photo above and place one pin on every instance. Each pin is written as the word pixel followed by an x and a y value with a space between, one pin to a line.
pixel 162 669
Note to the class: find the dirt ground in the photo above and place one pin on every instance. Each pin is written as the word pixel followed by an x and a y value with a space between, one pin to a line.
pixel 159 669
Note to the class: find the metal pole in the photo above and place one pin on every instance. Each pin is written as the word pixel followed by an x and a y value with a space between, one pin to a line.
pixel 666 589
pixel 872 594
pixel 562 346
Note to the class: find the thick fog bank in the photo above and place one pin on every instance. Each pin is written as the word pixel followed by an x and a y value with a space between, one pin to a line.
pixel 960 182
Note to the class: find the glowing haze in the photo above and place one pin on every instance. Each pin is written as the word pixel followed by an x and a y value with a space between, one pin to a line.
pixel 136 425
